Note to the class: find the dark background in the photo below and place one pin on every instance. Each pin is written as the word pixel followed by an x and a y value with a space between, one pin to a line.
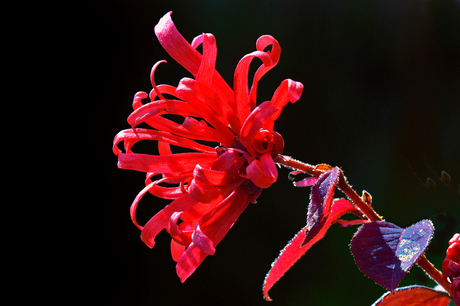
pixel 381 100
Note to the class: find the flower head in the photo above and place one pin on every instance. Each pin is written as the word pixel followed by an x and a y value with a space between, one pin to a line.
pixel 451 267
pixel 209 186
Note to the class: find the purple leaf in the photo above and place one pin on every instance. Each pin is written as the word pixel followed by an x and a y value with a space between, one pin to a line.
pixel 309 181
pixel 322 193
pixel 414 296
pixel 385 252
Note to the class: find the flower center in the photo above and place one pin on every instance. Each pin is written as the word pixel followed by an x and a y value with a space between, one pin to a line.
pixel 263 143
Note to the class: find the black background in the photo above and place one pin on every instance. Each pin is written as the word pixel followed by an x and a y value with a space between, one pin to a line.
pixel 381 100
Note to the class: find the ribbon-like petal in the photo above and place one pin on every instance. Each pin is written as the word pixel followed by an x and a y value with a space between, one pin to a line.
pixel 131 136
pixel 209 105
pixel 152 109
pixel 202 241
pixel 262 173
pixel 161 219
pixel 215 226
pixel 246 100
pixel 164 164
pixel 183 53
pixel 260 118
pixel 208 62
pixel 177 250
pixel 214 177
pixel 176 45
pixel 288 91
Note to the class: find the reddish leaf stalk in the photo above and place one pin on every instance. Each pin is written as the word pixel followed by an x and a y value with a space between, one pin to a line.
pixel 295 164
pixel 343 184
pixel 366 209
pixel 434 273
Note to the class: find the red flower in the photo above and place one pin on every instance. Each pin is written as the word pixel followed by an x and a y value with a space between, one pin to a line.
pixel 210 186
pixel 451 267
pixel 453 251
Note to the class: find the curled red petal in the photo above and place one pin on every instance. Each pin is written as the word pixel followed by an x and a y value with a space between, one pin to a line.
pixel 205 193
pixel 263 142
pixel 138 97
pixel 133 207
pixel 189 261
pixel 152 79
pixel 164 148
pixel 206 71
pixel 218 222
pixel 161 219
pixel 135 135
pixel 240 84
pixel 172 227
pixel 201 190
pixel 176 45
pixel 215 225
pixel 197 41
pixel 155 108
pixel 262 43
pixel 257 120
pixel 288 91
pixel 182 233
pixel 186 55
pixel 191 128
pixel 229 161
pixel 162 89
pixel 278 142
pixel 170 193
pixel 214 177
pixel 197 211
pixel 265 41
pixel 202 241
pixel 177 250
pixel 246 100
pixel 173 163
pixel 262 173
pixel 208 104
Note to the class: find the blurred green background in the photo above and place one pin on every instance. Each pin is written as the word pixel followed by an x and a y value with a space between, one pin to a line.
pixel 381 100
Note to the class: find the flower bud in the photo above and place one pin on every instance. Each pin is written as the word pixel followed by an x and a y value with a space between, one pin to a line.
pixel 453 252
pixel 445 178
pixel 451 267
pixel 430 184
pixel 367 198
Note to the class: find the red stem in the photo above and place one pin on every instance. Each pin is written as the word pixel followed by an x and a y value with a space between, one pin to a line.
pixel 434 273
pixel 295 164
pixel 366 209
pixel 343 185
